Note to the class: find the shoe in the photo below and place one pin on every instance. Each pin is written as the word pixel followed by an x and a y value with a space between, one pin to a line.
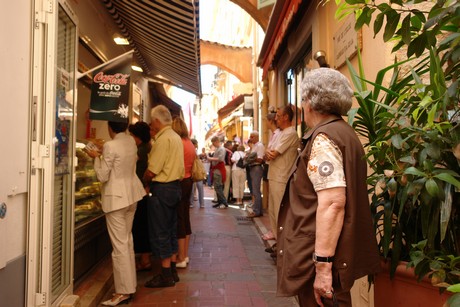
pixel 201 206
pixel 182 264
pixel 216 205
pixel 252 215
pixel 271 249
pixel 187 259
pixel 117 299
pixel 222 206
pixel 215 201
pixel 159 281
pixel 175 276
pixel 191 206
pixel 273 255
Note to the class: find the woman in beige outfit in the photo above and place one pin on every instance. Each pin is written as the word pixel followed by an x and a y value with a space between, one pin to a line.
pixel 121 189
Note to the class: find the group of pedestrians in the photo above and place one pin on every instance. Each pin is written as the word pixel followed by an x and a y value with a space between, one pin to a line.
pixel 146 191
pixel 318 203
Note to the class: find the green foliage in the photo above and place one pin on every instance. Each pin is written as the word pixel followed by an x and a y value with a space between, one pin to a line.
pixel 411 122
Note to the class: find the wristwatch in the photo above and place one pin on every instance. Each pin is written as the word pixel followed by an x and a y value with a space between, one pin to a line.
pixel 317 258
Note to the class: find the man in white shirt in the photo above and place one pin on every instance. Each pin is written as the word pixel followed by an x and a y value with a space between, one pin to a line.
pixel 281 157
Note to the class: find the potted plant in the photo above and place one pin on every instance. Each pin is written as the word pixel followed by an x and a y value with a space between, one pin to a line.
pixel 410 118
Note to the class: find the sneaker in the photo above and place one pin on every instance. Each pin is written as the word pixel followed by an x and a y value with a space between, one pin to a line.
pixel 222 206
pixel 160 281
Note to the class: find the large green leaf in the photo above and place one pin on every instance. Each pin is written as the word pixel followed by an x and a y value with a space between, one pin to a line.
pixel 405 29
pixel 454 288
pixel 414 171
pixel 392 23
pixel 432 187
pixel 448 178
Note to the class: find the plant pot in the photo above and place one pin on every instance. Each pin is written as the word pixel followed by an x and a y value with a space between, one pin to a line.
pixel 404 290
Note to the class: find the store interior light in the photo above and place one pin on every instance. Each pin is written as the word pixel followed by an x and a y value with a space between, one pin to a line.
pixel 136 68
pixel 120 40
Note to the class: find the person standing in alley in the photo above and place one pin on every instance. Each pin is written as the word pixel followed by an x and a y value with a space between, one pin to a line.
pixel 326 239
pixel 272 126
pixel 140 131
pixel 184 228
pixel 218 173
pixel 115 168
pixel 238 175
pixel 198 185
pixel 281 156
pixel 256 172
pixel 228 145
pixel 164 173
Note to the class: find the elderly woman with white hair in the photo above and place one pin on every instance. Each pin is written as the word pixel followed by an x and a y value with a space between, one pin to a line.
pixel 326 238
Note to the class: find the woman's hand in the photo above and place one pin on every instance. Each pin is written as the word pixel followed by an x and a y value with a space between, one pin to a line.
pixel 92 153
pixel 322 286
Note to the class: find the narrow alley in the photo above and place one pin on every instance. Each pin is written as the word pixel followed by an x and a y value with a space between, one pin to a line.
pixel 228 266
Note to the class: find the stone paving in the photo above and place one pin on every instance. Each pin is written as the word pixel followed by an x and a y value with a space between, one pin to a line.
pixel 228 265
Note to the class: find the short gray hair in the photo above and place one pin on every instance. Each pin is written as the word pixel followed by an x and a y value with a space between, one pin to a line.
pixel 161 113
pixel 328 90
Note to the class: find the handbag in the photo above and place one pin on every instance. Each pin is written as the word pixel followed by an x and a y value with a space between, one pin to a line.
pixel 198 171
pixel 240 163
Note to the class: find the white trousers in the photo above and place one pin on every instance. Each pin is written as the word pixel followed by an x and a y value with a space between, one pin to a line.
pixel 119 226
pixel 238 181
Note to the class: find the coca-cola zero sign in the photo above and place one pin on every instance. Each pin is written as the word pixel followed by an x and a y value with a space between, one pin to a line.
pixel 110 91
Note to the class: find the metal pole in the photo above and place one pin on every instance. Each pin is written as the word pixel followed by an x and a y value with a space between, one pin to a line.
pixel 80 75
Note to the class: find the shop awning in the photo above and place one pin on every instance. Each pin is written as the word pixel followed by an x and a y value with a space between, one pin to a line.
pixel 281 19
pixel 159 97
pixel 165 37
pixel 230 107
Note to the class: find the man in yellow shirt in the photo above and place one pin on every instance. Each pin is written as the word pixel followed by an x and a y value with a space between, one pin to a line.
pixel 163 175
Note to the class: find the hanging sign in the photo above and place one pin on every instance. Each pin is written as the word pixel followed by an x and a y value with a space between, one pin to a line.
pixel 110 91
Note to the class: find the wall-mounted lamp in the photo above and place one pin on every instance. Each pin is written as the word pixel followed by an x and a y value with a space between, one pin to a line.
pixel 320 57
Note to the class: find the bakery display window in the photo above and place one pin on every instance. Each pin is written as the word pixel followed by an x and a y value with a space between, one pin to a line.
pixel 87 188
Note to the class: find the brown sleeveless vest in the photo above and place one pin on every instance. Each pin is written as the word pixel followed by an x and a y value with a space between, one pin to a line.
pixel 356 253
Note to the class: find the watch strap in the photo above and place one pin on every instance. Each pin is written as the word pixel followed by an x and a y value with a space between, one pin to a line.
pixel 317 258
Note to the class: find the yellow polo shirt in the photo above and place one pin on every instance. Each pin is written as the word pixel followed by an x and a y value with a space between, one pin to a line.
pixel 166 159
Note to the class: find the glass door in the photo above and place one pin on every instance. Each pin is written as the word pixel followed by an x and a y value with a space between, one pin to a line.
pixel 50 232
pixel 63 152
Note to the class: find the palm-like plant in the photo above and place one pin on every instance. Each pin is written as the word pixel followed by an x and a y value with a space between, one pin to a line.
pixel 412 127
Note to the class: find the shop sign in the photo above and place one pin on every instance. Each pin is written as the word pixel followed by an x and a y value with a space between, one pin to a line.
pixel 345 42
pixel 110 91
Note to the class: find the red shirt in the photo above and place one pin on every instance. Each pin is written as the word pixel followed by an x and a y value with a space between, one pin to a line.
pixel 189 156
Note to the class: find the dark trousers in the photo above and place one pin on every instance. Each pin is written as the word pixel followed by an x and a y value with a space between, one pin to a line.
pixel 162 215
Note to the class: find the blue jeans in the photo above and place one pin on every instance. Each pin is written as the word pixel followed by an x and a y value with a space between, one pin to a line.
pixel 256 173
pixel 199 186
pixel 162 216
pixel 219 187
